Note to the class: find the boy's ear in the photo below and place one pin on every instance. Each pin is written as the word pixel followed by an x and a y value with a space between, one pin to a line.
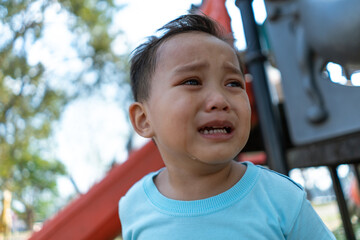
pixel 139 120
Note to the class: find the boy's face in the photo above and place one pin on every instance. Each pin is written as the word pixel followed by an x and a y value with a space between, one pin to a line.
pixel 198 110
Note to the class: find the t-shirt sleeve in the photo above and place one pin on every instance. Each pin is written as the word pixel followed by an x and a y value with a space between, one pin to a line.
pixel 308 225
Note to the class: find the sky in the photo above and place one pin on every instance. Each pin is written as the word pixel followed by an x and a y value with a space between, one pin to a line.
pixel 142 18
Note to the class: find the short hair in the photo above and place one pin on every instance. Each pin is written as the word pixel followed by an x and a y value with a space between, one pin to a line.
pixel 144 57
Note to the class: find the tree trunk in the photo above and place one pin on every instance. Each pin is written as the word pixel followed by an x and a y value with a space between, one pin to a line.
pixel 30 217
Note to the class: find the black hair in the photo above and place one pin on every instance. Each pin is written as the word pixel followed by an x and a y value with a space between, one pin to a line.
pixel 143 60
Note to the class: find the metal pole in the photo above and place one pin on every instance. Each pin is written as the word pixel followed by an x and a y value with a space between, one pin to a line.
pixel 357 173
pixel 269 118
pixel 344 212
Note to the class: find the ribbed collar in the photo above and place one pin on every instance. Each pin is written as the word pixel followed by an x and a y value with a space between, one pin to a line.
pixel 203 206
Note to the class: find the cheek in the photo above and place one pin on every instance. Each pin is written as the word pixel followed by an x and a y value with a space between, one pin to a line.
pixel 245 104
pixel 247 116
pixel 244 113
pixel 247 121
pixel 180 114
pixel 174 115
pixel 247 110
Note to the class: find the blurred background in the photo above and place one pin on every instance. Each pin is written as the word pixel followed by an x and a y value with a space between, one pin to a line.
pixel 64 95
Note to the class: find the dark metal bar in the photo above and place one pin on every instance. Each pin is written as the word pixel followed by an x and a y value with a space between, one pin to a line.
pixel 341 150
pixel 357 173
pixel 344 212
pixel 269 119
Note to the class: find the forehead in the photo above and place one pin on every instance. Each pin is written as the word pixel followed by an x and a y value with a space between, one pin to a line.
pixel 192 46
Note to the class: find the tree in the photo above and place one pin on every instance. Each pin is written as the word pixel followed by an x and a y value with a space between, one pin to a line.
pixel 32 97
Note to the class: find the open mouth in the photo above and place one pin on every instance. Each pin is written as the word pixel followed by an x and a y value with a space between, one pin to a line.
pixel 215 130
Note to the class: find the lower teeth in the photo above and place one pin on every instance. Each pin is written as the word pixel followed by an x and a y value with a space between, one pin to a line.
pixel 214 131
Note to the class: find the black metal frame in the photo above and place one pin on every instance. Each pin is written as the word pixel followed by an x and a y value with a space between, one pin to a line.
pixel 269 117
pixel 331 153
pixel 343 208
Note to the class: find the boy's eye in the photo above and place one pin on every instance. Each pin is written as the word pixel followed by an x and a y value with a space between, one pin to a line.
pixel 235 84
pixel 191 82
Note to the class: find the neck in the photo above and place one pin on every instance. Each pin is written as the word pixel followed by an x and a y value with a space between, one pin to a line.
pixel 187 185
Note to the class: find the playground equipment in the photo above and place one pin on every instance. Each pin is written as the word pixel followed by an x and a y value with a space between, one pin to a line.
pixel 305 35
pixel 322 116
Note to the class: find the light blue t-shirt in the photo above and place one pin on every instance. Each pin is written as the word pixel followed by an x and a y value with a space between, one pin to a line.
pixel 262 205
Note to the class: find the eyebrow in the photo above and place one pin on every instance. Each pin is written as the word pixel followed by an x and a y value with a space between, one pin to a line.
pixel 192 66
pixel 232 68
pixel 196 65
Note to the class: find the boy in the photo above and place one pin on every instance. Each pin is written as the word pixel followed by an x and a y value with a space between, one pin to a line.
pixel 190 100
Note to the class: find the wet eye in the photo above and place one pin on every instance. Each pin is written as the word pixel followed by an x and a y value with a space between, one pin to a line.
pixel 235 84
pixel 191 82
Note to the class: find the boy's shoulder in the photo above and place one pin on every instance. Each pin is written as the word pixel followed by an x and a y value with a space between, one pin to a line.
pixel 281 195
pixel 135 196
pixel 278 187
pixel 283 192
pixel 280 178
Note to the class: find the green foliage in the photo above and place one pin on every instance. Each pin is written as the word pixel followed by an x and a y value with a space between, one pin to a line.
pixel 32 97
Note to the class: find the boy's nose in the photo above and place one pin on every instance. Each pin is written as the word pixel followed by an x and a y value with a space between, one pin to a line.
pixel 216 102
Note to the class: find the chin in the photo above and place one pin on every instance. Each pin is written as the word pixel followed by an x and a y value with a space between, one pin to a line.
pixel 217 161
pixel 215 157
